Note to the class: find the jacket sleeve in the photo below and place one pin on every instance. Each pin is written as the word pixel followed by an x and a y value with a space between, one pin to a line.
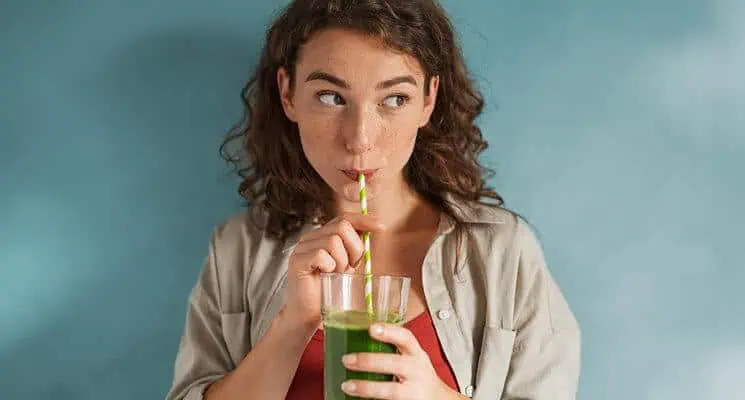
pixel 545 363
pixel 202 356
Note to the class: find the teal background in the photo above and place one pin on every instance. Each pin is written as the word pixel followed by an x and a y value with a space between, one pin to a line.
pixel 617 128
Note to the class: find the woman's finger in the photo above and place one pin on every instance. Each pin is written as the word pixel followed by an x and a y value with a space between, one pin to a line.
pixel 398 336
pixel 333 244
pixel 313 259
pixel 362 223
pixel 382 363
pixel 359 223
pixel 373 390
pixel 351 239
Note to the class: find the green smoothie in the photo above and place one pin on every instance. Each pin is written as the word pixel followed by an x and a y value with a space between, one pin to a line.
pixel 347 332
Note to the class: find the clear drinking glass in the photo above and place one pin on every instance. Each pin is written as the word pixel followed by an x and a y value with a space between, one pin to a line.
pixel 346 322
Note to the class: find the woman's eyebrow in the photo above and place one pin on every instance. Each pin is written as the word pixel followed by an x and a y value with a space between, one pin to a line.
pixel 335 80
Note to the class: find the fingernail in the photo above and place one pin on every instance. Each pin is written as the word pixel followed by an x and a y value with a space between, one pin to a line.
pixel 376 330
pixel 349 359
pixel 348 387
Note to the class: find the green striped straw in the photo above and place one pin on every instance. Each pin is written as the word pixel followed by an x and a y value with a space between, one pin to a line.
pixel 366 241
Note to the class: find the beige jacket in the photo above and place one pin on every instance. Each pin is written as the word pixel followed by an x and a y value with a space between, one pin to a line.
pixel 503 323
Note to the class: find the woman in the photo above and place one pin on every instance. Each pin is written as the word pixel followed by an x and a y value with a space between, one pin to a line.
pixel 376 87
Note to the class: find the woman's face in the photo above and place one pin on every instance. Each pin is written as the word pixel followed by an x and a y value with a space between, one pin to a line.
pixel 358 107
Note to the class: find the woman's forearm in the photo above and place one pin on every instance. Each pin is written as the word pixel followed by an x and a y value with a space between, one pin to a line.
pixel 268 369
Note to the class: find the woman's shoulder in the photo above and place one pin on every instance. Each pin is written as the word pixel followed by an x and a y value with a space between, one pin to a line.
pixel 242 242
pixel 493 222
pixel 496 231
pixel 245 225
pixel 244 258
pixel 249 227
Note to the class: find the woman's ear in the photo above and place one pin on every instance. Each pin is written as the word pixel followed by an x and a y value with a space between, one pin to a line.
pixel 430 100
pixel 285 93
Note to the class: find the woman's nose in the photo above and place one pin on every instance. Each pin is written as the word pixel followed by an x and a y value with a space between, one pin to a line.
pixel 360 131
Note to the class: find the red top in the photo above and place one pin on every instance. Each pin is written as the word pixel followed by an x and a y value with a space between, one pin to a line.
pixel 308 381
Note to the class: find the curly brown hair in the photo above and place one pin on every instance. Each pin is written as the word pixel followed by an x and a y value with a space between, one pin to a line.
pixel 270 158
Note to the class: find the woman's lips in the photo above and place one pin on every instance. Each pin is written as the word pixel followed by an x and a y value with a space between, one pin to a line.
pixel 353 174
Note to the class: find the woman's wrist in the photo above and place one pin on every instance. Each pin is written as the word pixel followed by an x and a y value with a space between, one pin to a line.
pixel 451 394
pixel 286 321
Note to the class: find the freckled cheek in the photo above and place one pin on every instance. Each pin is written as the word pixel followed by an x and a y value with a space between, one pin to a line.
pixel 318 135
pixel 319 128
pixel 398 139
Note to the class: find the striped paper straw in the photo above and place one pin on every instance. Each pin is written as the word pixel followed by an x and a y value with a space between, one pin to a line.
pixel 366 241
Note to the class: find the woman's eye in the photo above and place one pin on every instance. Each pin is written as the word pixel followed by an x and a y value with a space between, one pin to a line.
pixel 396 101
pixel 331 99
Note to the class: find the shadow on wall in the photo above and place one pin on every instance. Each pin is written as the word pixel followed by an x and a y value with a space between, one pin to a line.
pixel 143 211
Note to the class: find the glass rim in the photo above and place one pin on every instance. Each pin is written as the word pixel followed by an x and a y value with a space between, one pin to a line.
pixel 362 275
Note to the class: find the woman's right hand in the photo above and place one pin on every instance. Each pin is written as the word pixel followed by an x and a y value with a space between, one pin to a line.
pixel 331 248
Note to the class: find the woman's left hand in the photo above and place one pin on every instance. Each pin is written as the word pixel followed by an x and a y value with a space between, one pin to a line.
pixel 417 379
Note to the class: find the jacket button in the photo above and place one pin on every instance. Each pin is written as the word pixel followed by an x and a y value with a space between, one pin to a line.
pixel 468 391
pixel 443 314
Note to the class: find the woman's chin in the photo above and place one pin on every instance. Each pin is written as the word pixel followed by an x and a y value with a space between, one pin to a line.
pixel 350 192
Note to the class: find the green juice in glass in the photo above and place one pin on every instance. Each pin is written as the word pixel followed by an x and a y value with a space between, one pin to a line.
pixel 348 332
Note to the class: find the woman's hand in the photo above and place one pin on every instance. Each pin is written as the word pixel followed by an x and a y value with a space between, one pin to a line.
pixel 331 248
pixel 416 377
